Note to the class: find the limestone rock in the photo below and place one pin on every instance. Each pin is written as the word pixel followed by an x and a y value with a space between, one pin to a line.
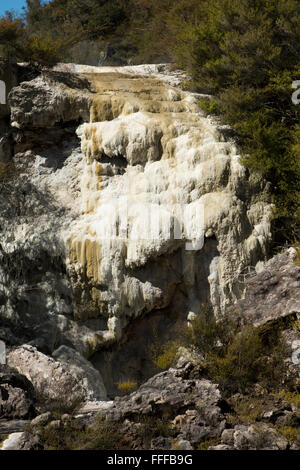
pixel 161 443
pixel 169 393
pixel 273 293
pixel 169 390
pixel 49 99
pixel 41 420
pixel 258 436
pixel 184 445
pixel 16 396
pixel 83 371
pixel 54 386
pixel 14 441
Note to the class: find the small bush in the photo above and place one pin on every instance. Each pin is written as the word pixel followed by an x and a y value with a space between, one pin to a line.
pixel 208 335
pixel 247 411
pixel 208 443
pixel 152 427
pixel 102 435
pixel 127 387
pixel 251 357
pixel 210 106
pixel 164 355
pixel 7 172
pixel 292 434
pixel 292 398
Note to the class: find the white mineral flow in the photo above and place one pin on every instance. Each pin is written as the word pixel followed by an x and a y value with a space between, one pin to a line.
pixel 154 213
pixel 158 178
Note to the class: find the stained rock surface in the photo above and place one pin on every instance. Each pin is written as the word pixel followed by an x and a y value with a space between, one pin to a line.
pixel 83 371
pixel 54 386
pixel 127 211
pixel 274 292
pixel 17 396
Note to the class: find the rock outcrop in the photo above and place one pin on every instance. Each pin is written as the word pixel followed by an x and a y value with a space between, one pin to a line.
pixel 82 370
pixel 258 436
pixel 174 410
pixel 17 396
pixel 273 296
pixel 55 388
pixel 273 293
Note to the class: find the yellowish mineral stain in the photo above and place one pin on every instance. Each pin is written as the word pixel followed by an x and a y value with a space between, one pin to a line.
pixel 87 253
pixel 116 95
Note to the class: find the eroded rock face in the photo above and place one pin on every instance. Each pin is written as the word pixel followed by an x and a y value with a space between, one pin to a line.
pixel 195 405
pixel 83 371
pixel 107 227
pixel 16 396
pixel 258 436
pixel 55 387
pixel 273 296
pixel 273 293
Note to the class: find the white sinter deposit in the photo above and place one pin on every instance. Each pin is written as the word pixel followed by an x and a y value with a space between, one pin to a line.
pixel 154 212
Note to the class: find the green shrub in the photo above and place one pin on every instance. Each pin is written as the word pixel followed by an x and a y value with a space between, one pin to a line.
pixel 208 335
pixel 238 357
pixel 292 434
pixel 151 427
pixel 208 443
pixel 292 398
pixel 255 355
pixel 247 411
pixel 164 355
pixel 127 386
pixel 102 435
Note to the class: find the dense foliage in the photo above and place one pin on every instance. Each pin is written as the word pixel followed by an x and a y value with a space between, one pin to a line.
pixel 234 356
pixel 246 54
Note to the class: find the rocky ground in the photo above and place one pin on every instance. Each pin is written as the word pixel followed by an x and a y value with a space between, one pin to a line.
pixel 172 410
pixel 175 409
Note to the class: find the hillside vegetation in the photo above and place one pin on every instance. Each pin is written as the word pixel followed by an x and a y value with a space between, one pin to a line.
pixel 245 53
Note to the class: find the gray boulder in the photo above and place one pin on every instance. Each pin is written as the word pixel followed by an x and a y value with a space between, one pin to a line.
pixel 273 293
pixel 16 396
pixel 55 387
pixel 193 407
pixel 83 371
pixel 259 436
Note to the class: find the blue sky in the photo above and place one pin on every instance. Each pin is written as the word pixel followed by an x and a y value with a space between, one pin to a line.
pixel 11 4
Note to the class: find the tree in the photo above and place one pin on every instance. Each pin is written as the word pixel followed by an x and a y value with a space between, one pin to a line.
pixel 11 32
pixel 246 53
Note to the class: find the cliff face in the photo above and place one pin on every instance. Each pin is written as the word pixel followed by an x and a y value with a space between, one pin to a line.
pixel 128 210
